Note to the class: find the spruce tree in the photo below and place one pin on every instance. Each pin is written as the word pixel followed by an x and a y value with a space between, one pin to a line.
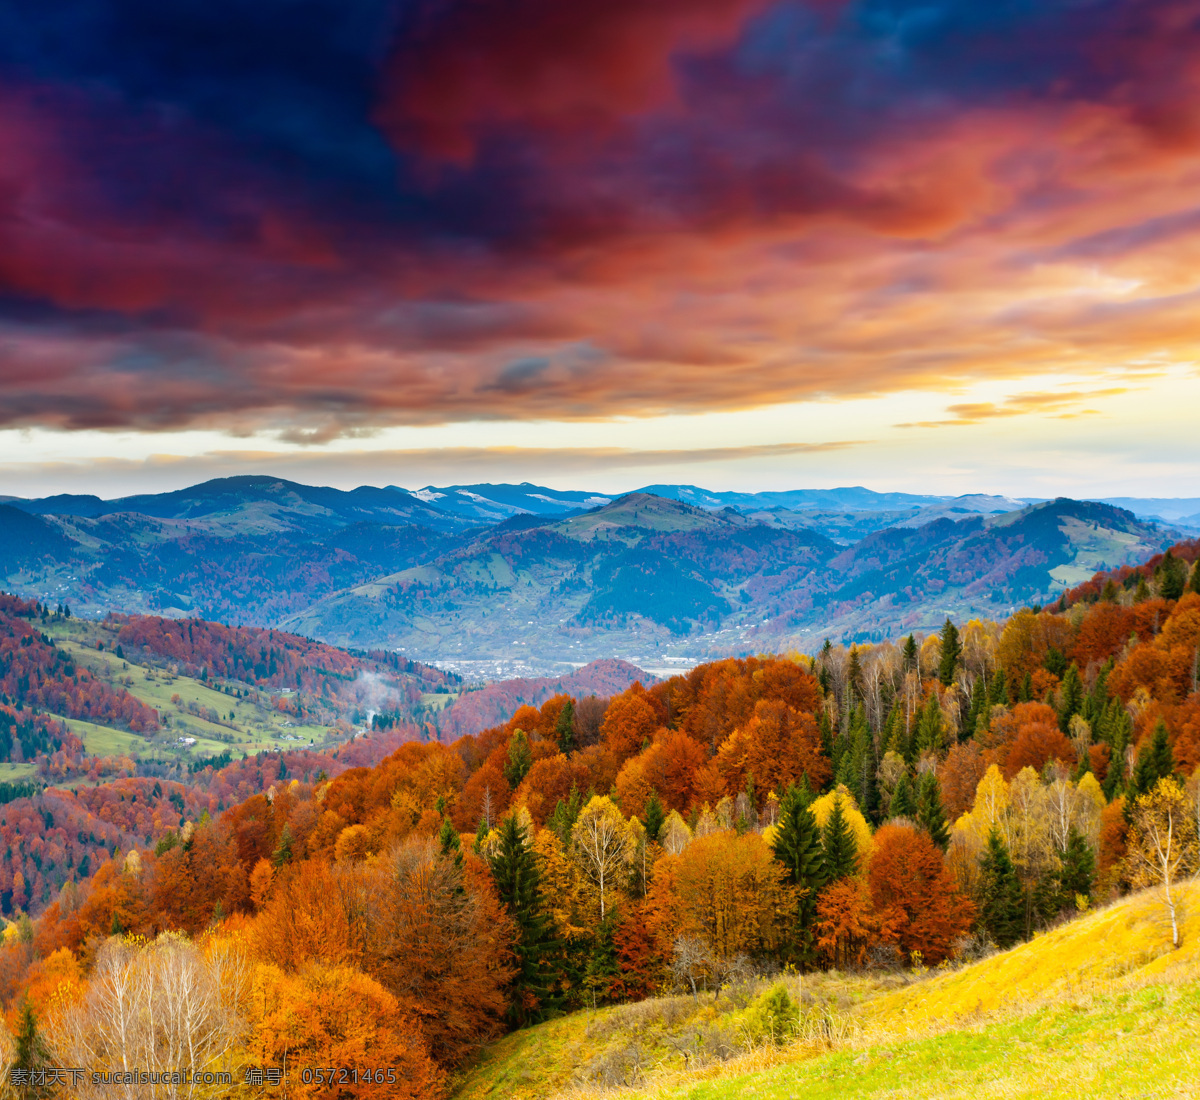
pixel 514 871
pixel 481 835
pixel 892 737
pixel 797 845
pixel 1055 662
pixel 903 803
pixel 838 849
pixel 998 694
pixel 856 768
pixel 847 774
pixel 566 813
pixel 603 968
pixel 564 728
pixel 854 678
pixel 1026 693
pixel 1117 731
pixel 449 843
pixel 655 816
pixel 930 736
pixel 1078 871
pixel 520 759
pixel 1172 577
pixel 283 850
pixel 910 653
pixel 951 653
pixel 1002 908
pixel 30 1051
pixel 1070 698
pixel 1196 577
pixel 1154 762
pixel 931 815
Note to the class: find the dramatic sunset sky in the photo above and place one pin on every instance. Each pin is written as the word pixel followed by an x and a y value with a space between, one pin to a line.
pixel 941 246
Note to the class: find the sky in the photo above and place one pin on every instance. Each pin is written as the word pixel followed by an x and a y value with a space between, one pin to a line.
pixel 945 246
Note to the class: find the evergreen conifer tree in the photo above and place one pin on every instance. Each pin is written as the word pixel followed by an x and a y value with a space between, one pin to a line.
pixel 1055 661
pixel 1002 908
pixel 520 759
pixel 892 737
pixel 515 873
pixel 998 693
pixel 903 803
pixel 283 850
pixel 1154 762
pixel 603 968
pixel 1117 732
pixel 1196 577
pixel 858 764
pixel 797 845
pixel 1172 577
pixel 854 679
pixel 839 851
pixel 481 835
pixel 566 813
pixel 910 653
pixel 1026 692
pixel 848 774
pixel 449 843
pixel 655 816
pixel 951 653
pixel 1078 868
pixel 930 736
pixel 1070 698
pixel 30 1051
pixel 931 815
pixel 564 728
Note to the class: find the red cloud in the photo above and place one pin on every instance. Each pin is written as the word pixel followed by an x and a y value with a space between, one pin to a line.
pixel 564 66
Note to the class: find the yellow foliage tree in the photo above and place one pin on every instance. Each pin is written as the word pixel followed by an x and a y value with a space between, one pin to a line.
pixel 559 885
pixel 1163 845
pixel 602 846
pixel 823 807
pixel 727 890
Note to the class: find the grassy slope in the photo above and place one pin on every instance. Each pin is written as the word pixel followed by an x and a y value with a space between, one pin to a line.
pixel 1098 1008
pixel 253 728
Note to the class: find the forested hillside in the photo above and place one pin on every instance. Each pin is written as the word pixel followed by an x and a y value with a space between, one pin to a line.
pixel 544 582
pixel 646 576
pixel 886 806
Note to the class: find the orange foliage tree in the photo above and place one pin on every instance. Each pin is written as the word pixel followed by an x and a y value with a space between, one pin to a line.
pixel 910 884
pixel 327 1019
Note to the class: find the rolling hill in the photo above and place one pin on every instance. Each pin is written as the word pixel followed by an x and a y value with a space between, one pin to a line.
pixel 646 578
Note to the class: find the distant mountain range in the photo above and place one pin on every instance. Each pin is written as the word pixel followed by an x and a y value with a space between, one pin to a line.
pixel 263 502
pixel 551 578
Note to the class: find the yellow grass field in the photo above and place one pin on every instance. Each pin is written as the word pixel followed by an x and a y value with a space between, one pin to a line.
pixel 1100 1007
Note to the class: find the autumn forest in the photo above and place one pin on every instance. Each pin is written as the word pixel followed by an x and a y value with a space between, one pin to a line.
pixel 918 803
